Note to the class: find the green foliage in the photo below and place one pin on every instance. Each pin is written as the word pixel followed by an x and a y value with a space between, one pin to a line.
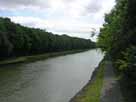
pixel 118 38
pixel 111 36
pixel 5 45
pixel 17 40
pixel 128 59
pixel 127 67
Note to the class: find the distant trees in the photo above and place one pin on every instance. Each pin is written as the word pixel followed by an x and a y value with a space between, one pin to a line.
pixel 17 40
pixel 5 45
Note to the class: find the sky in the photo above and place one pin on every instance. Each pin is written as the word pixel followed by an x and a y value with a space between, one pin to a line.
pixel 73 17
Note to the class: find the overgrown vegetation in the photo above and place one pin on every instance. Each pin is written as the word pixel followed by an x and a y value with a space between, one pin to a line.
pixel 17 40
pixel 118 38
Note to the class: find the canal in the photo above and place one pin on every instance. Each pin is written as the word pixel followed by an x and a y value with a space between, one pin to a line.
pixel 56 79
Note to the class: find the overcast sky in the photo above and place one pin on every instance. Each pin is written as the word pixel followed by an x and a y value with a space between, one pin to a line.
pixel 73 17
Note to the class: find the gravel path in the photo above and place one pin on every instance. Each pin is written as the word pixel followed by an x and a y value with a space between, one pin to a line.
pixel 111 90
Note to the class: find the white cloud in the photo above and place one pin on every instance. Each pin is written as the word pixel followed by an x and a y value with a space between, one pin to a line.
pixel 55 25
pixel 21 4
pixel 75 17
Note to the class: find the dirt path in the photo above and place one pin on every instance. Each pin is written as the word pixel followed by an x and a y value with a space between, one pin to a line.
pixel 111 90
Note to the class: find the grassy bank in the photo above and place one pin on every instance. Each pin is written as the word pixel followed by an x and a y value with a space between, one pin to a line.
pixel 37 57
pixel 91 92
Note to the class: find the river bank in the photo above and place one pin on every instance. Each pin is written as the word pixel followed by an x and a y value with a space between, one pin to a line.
pixel 103 86
pixel 91 91
pixel 32 58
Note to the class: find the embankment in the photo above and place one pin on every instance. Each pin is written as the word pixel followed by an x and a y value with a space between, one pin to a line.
pixel 92 90
pixel 32 58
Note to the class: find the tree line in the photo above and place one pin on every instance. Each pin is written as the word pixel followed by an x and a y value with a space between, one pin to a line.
pixel 18 40
pixel 118 38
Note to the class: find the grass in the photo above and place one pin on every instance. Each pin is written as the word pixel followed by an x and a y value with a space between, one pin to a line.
pixel 11 61
pixel 37 57
pixel 92 91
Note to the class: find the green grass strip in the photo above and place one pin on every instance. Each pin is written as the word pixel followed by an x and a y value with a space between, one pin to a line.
pixel 32 58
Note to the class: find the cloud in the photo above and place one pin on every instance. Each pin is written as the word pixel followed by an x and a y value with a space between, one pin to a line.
pixel 74 17
pixel 55 25
pixel 94 6
pixel 100 6
pixel 58 27
pixel 22 4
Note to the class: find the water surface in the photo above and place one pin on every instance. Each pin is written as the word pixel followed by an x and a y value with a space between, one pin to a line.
pixel 54 80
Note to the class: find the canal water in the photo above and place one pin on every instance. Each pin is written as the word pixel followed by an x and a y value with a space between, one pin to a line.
pixel 53 80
